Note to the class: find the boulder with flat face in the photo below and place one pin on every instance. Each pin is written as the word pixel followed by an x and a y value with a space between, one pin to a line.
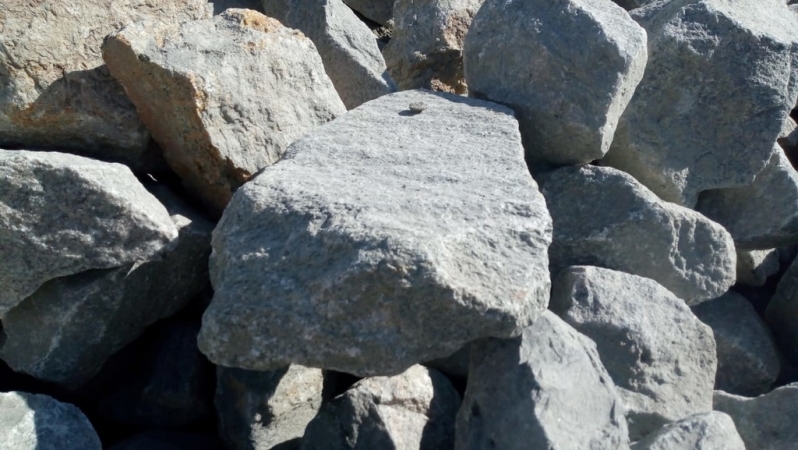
pixel 393 235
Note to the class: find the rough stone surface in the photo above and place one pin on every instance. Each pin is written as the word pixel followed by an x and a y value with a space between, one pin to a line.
pixel 567 67
pixel 224 97
pixel 762 215
pixel 755 266
pixel 265 410
pixel 413 410
pixel 748 361
pixel 380 11
pixel 782 312
pixel 604 217
pixel 381 253
pixel 700 119
pixel 67 329
pixel 62 214
pixel 659 355
pixel 55 92
pixel 544 389
pixel 766 422
pixel 38 422
pixel 347 46
pixel 426 48
pixel 706 431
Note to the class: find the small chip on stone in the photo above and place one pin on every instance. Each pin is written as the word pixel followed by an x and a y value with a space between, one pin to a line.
pixel 417 107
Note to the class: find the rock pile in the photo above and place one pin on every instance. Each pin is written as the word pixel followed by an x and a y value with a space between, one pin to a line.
pixel 254 224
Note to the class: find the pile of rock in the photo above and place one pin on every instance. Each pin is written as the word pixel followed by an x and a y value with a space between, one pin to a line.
pixel 518 224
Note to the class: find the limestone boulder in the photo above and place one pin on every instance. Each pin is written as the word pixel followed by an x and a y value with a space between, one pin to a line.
pixel 347 46
pixel 62 214
pixel 224 97
pixel 700 119
pixel 705 431
pixel 39 422
pixel 660 356
pixel 382 252
pixel 766 422
pixel 55 92
pixel 568 69
pixel 413 410
pixel 69 327
pixel 544 389
pixel 604 217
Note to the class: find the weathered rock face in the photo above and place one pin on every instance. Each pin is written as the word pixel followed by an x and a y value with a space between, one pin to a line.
pixel 603 217
pixel 426 48
pixel 700 119
pixel 755 266
pixel 706 431
pixel 67 329
pixel 544 389
pixel 218 127
pixel 413 410
pixel 766 422
pixel 380 11
pixel 47 232
pixel 346 45
pixel 782 312
pixel 568 90
pixel 265 410
pixel 55 92
pixel 762 215
pixel 32 421
pixel 382 253
pixel 748 361
pixel 659 355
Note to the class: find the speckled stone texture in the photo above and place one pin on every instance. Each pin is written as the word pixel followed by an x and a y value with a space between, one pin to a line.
pixel 389 237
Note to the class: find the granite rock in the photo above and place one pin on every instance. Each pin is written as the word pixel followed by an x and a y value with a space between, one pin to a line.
pixel 766 422
pixel 704 431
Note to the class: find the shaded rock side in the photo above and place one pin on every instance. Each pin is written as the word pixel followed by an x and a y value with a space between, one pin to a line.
pixel 414 410
pixel 426 48
pixel 766 422
pixel 381 252
pixel 782 312
pixel 660 356
pixel 748 361
pixel 706 431
pixel 567 67
pixel 605 218
pixel 224 97
pixel 55 92
pixel 38 422
pixel 347 46
pixel 544 389
pixel 760 216
pixel 265 410
pixel 700 119
pixel 62 214
pixel 380 11
pixel 67 329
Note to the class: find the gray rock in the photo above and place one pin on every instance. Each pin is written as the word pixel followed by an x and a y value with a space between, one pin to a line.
pixel 38 422
pixel 380 11
pixel 762 215
pixel 605 218
pixel 263 410
pixel 347 46
pixel 69 327
pixel 766 422
pixel 381 252
pixel 426 48
pixel 748 362
pixel 199 87
pixel 63 214
pixel 782 312
pixel 706 431
pixel 702 119
pixel 544 389
pixel 755 266
pixel 567 67
pixel 55 92
pixel 660 356
pixel 413 410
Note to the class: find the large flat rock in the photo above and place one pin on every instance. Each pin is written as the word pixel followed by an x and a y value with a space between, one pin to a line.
pixel 604 217
pixel 702 118
pixel 62 214
pixel 385 238
pixel 225 96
